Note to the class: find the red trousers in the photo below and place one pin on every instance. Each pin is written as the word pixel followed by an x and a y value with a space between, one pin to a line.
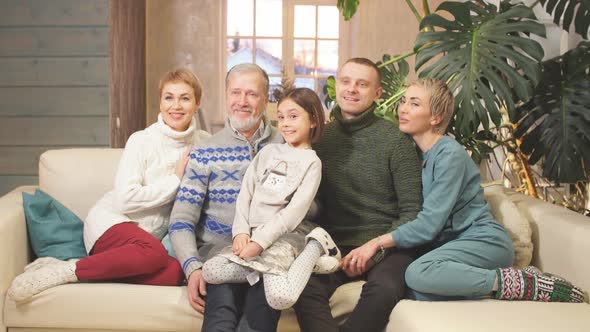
pixel 126 253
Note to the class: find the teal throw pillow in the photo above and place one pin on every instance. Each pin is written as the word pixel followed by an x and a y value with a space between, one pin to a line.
pixel 168 245
pixel 54 230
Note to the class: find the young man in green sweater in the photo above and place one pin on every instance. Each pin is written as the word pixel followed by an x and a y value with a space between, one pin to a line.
pixel 370 185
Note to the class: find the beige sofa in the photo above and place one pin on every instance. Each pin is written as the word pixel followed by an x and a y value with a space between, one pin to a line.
pixel 78 177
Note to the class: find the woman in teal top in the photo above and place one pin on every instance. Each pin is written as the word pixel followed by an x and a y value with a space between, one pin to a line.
pixel 471 253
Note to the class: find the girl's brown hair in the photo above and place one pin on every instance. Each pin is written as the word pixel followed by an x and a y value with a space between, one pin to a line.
pixel 310 102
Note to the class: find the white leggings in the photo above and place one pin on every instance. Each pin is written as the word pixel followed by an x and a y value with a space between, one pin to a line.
pixel 282 291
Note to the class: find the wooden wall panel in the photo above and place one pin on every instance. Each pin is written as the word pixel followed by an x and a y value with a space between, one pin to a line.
pixel 9 182
pixel 54 41
pixel 19 160
pixel 54 71
pixel 54 101
pixel 54 76
pixel 53 12
pixel 63 131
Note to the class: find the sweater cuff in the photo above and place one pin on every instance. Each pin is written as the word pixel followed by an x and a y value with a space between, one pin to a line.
pixel 380 255
pixel 191 265
pixel 397 239
pixel 264 243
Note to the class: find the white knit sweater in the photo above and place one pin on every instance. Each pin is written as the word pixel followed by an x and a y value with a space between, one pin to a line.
pixel 145 184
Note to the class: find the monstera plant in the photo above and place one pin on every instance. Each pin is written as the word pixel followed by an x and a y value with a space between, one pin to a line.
pixel 555 123
pixel 486 55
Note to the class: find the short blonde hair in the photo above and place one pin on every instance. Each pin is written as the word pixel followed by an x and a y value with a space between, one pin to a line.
pixel 185 76
pixel 442 102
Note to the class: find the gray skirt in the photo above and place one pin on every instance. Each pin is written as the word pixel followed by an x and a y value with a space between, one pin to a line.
pixel 277 258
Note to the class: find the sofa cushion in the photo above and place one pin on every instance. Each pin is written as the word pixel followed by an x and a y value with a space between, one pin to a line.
pixel 516 225
pixel 53 229
pixel 78 177
pixel 112 306
pixel 488 316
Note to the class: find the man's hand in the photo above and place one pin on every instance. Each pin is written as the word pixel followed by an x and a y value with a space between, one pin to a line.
pixel 359 261
pixel 197 289
pixel 251 250
pixel 240 241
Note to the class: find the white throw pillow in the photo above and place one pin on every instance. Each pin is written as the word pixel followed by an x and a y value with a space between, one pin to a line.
pixel 517 226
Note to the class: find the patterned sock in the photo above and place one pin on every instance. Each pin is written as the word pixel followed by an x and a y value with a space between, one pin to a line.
pixel 40 262
pixel 514 284
pixel 534 270
pixel 36 280
pixel 561 283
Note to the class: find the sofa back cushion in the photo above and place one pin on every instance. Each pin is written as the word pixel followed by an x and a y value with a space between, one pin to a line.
pixel 77 178
pixel 516 225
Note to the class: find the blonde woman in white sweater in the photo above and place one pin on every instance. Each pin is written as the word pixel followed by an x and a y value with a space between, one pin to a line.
pixel 123 230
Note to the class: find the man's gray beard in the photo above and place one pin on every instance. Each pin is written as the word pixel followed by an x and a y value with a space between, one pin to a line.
pixel 245 125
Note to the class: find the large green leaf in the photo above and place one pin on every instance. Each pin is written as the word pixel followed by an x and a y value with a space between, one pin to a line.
pixel 555 124
pixel 393 81
pixel 348 8
pixel 571 11
pixel 486 57
pixel 330 92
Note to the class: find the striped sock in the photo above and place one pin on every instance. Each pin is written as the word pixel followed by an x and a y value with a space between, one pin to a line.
pixel 533 285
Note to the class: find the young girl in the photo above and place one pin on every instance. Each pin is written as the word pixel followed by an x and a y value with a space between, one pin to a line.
pixel 277 191
pixel 123 230
pixel 472 253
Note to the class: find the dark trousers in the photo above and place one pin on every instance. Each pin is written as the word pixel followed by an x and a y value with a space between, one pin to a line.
pixel 238 307
pixel 385 287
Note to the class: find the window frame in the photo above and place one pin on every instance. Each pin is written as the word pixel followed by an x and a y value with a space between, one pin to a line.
pixel 288 40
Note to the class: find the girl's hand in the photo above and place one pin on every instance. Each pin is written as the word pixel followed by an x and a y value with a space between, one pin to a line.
pixel 181 163
pixel 251 250
pixel 240 241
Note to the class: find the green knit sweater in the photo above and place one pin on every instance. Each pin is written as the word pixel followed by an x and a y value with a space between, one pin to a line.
pixel 371 178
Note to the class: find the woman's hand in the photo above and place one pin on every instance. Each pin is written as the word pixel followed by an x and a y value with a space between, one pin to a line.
pixel 240 241
pixel 358 261
pixel 181 163
pixel 251 250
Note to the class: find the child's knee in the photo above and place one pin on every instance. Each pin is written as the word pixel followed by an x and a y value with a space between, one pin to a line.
pixel 281 301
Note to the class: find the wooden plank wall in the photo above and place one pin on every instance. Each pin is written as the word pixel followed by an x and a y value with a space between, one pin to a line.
pixel 53 82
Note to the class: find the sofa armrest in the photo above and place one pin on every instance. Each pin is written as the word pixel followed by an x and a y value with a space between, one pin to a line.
pixel 561 239
pixel 14 247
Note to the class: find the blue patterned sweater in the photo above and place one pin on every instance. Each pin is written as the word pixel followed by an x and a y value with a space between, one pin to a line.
pixel 203 213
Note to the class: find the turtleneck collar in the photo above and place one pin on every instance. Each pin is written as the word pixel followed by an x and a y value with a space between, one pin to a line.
pixel 359 122
pixel 186 135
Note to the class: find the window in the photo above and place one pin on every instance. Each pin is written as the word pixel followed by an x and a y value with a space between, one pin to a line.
pixel 296 38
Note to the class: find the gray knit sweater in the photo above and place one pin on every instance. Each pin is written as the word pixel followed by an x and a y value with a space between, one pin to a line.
pixel 203 213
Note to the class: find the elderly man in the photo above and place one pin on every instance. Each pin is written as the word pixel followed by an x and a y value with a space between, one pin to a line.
pixel 203 213
pixel 370 185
